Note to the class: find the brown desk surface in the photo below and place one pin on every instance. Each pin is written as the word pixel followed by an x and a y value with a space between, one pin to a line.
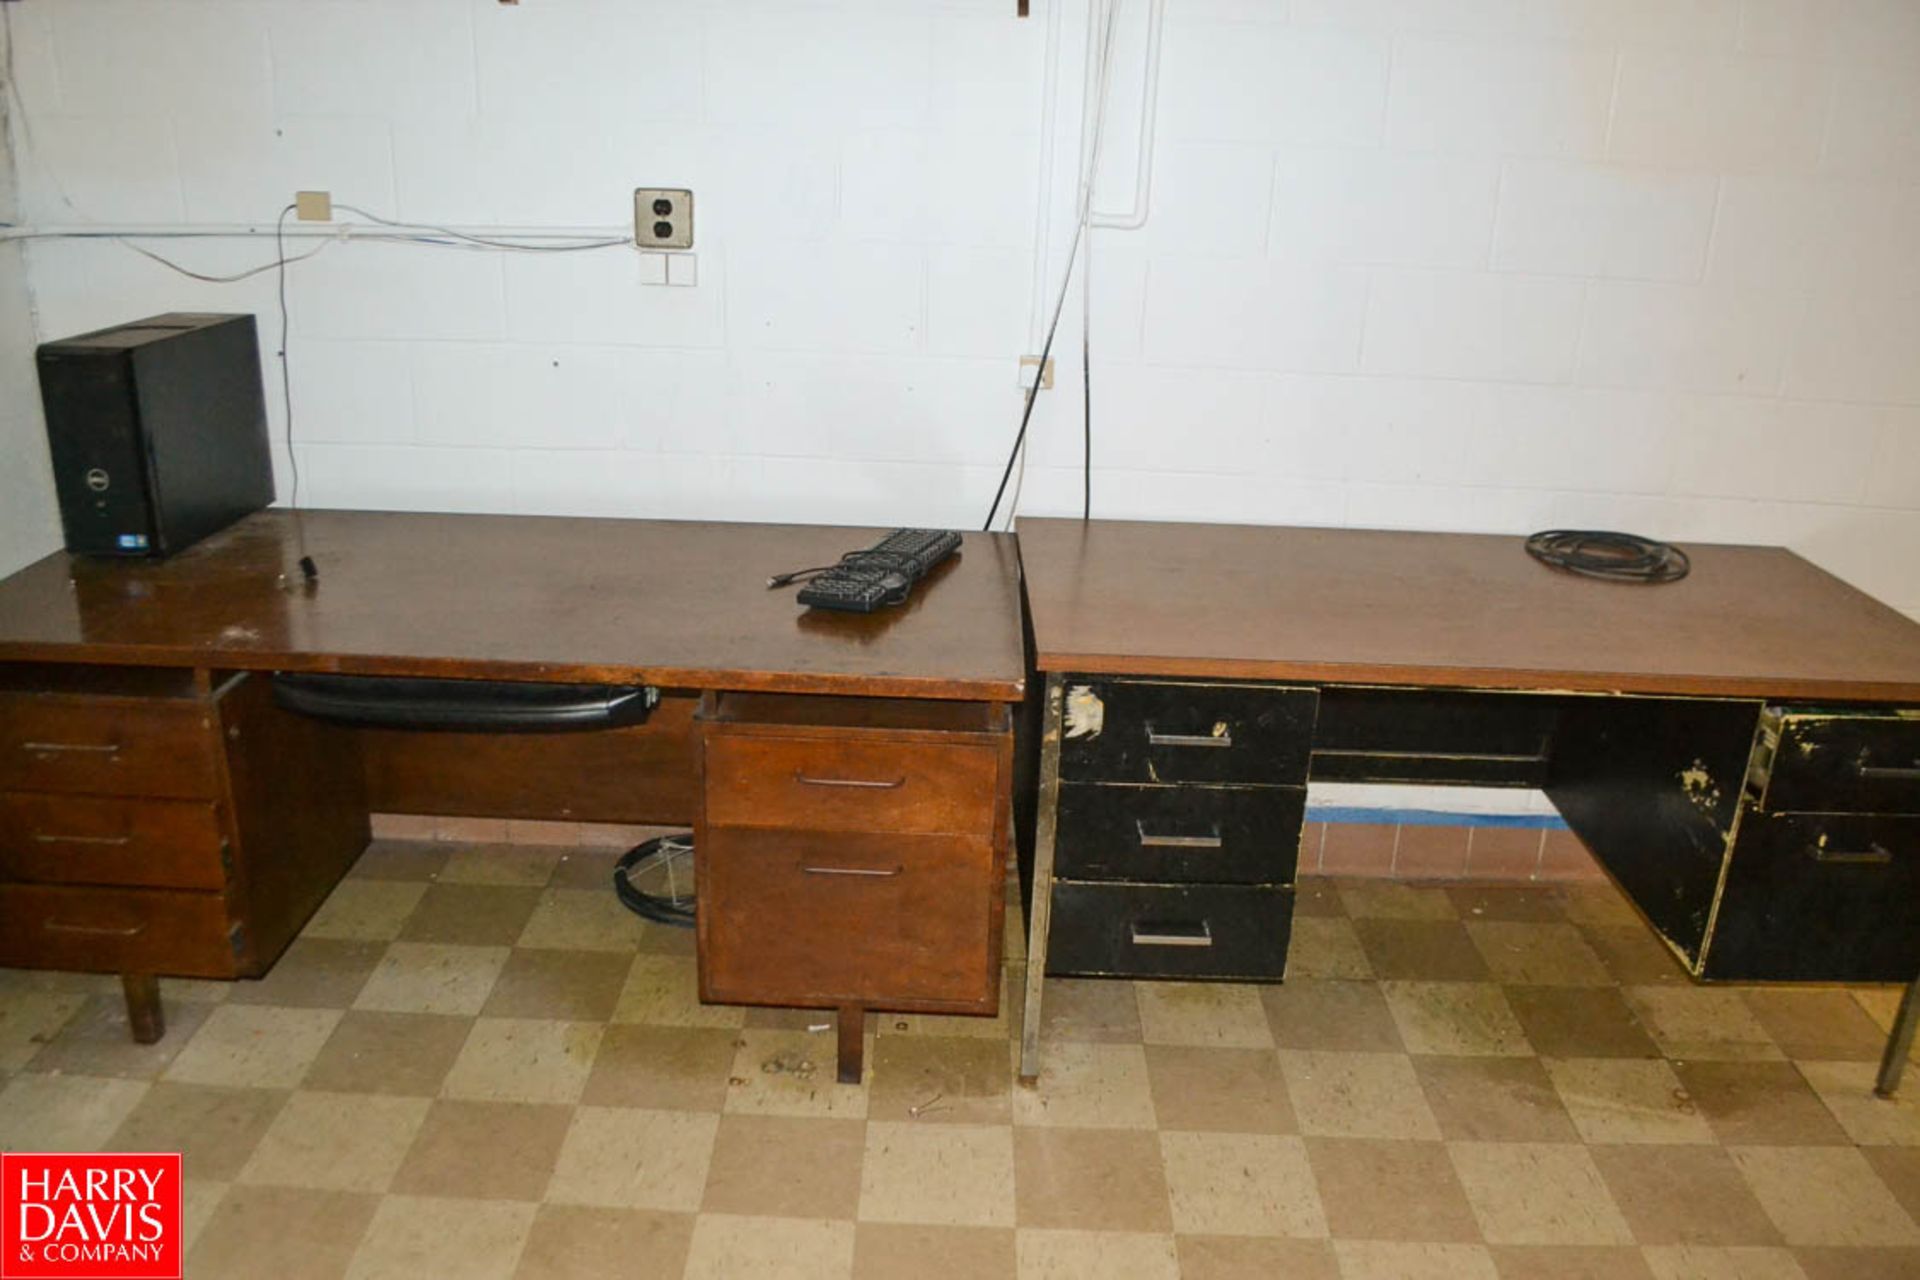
pixel 682 605
pixel 1461 610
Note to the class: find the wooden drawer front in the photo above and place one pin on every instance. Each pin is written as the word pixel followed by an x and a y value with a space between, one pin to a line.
pixel 1170 931
pixel 850 783
pixel 106 840
pixel 822 918
pixel 107 747
pixel 1820 898
pixel 115 930
pixel 1223 835
pixel 1846 764
pixel 1160 731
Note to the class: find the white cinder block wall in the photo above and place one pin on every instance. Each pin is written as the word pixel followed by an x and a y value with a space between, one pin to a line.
pixel 1478 264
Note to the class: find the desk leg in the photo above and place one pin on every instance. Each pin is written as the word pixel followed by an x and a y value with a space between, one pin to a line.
pixel 853 1026
pixel 1040 892
pixel 1900 1042
pixel 145 1018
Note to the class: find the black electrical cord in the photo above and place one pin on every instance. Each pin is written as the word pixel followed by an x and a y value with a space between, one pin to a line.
pixel 1616 557
pixel 651 906
pixel 308 569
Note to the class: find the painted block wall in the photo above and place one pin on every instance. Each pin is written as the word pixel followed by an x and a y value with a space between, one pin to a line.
pixel 1480 264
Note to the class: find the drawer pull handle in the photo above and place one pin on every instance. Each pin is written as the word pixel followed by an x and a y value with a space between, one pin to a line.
pixel 1159 934
pixel 877 873
pixel 96 930
pixel 1872 855
pixel 868 784
pixel 41 837
pixel 90 748
pixel 1903 773
pixel 1151 840
pixel 1224 738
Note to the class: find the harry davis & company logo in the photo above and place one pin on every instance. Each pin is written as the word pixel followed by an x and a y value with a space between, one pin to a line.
pixel 90 1217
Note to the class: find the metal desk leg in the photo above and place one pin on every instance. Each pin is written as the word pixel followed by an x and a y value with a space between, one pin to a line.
pixel 1900 1043
pixel 1040 892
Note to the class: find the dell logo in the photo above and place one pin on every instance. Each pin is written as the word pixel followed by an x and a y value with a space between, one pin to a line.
pixel 98 480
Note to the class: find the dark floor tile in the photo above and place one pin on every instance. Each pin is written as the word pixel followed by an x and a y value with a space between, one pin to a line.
pixel 417 860
pixel 401 1053
pixel 282 1232
pixel 577 986
pixel 1494 1100
pixel 215 1130
pixel 661 1068
pixel 1090 1179
pixel 939 1080
pixel 888 1250
pixel 1684 1195
pixel 1633 955
pixel 475 915
pixel 1226 1090
pixel 1759 1104
pixel 484 1151
pixel 1253 1258
pixel 1421 950
pixel 1506 902
pixel 1375 1189
pixel 1570 1262
pixel 1859 1264
pixel 1309 1013
pixel 1579 1022
pixel 313 973
pixel 1817 1023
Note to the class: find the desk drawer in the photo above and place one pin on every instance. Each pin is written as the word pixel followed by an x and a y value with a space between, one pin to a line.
pixel 1845 763
pixel 63 839
pixel 1163 731
pixel 1222 835
pixel 107 746
pixel 116 931
pixel 1820 898
pixel 790 917
pixel 1170 931
pixel 865 782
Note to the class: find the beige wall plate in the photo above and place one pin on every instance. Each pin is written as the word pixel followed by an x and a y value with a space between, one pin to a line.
pixel 663 218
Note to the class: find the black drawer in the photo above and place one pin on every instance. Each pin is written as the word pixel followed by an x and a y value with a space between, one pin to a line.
pixel 1170 931
pixel 1844 762
pixel 1164 731
pixel 1820 898
pixel 1220 835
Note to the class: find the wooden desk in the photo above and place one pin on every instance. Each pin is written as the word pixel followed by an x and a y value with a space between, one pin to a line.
pixel 1741 750
pixel 163 816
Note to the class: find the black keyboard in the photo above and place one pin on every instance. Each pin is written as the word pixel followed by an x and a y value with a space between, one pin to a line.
pixel 883 574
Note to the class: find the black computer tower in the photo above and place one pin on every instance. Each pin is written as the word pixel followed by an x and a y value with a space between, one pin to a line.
pixel 158 431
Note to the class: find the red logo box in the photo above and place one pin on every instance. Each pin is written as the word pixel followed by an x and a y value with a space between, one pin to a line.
pixel 90 1217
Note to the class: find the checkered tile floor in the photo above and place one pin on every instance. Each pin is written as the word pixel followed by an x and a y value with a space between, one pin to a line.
pixel 474 1063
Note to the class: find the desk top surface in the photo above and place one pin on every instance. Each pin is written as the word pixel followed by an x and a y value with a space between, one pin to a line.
pixel 675 604
pixel 1449 610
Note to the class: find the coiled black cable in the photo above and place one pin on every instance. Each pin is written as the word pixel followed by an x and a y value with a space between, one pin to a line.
pixel 651 906
pixel 1616 557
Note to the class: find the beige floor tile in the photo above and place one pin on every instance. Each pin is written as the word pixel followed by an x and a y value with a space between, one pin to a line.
pixel 1388 900
pixel 1635 955
pixel 1088 1085
pixel 420 977
pixel 1627 1100
pixel 1090 1179
pixel 1494 1099
pixel 214 1129
pixel 1357 1095
pixel 1255 1258
pixel 1390 1190
pixel 792 1073
pixel 31 1019
pixel 485 1151
pixel 403 859
pixel 1225 1015
pixel 1703 1262
pixel 571 1242
pixel 526 865
pixel 284 1232
pixel 524 1060
pixel 939 1080
pixel 313 973
pixel 1870 1120
pixel 1825 1196
pixel 667 1068
pixel 1326 947
pixel 336 1142
pixel 415 1236
pixel 578 986
pixel 785 1167
pixel 957 1175
pixel 1701 1023
pixel 1238 1184
pixel 254 1046
pixel 64 1113
pixel 581 920
pixel 95 1041
pixel 371 910
pixel 890 1250
pixel 198 1200
pixel 1538 1193
pixel 1110 1255
pixel 1599 904
pixel 1537 954
pixel 1389 1260
pixel 1684 1195
pixel 726 1247
pixel 398 1053
pixel 1226 1090
pixel 1100 1010
pixel 1570 1262
pixel 666 990
pixel 1470 1019
pixel 1349 1016
pixel 627 1158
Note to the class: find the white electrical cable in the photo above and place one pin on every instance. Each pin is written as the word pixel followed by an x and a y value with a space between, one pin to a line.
pixel 1136 217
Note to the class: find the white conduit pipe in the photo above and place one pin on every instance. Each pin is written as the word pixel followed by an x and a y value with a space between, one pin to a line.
pixel 1136 218
pixel 294 230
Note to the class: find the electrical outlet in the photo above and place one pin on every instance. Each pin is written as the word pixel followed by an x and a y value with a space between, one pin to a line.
pixel 663 218
pixel 1030 365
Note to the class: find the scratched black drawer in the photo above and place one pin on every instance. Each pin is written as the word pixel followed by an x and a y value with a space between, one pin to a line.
pixel 1170 931
pixel 1166 731
pixel 1844 762
pixel 1820 898
pixel 1222 835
